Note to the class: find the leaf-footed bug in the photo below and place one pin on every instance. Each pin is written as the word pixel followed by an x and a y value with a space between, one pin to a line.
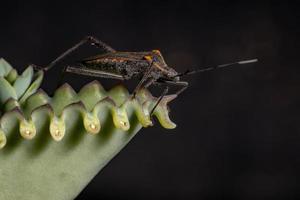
pixel 150 66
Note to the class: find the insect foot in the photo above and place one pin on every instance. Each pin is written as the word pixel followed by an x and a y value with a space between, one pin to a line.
pixel 59 143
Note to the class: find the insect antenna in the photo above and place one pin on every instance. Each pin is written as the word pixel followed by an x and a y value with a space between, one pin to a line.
pixel 204 69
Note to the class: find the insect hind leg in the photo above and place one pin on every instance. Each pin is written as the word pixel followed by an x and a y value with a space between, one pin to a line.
pixel 82 70
pixel 88 39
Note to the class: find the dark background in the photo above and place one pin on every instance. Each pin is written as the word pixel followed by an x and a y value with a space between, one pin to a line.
pixel 238 134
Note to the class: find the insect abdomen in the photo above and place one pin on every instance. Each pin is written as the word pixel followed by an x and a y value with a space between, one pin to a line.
pixel 117 65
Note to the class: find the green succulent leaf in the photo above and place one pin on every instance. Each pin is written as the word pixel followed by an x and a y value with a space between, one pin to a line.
pixel 38 78
pixel 51 147
pixel 6 91
pixel 22 82
pixel 12 76
pixel 5 67
pixel 2 139
pixel 10 104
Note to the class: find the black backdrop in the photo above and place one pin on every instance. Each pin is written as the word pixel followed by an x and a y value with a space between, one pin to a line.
pixel 238 133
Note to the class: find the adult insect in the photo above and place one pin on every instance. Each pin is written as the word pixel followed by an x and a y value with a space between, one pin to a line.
pixel 149 66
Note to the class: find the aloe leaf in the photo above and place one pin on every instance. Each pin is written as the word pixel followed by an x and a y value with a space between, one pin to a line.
pixel 91 93
pixel 2 139
pixel 12 76
pixel 5 67
pixel 23 81
pixel 6 91
pixel 51 147
pixel 34 101
pixel 10 104
pixel 33 86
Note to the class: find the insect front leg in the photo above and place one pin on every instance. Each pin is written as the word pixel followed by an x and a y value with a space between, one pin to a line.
pixel 168 83
pixel 88 39
pixel 164 93
pixel 184 85
pixel 149 82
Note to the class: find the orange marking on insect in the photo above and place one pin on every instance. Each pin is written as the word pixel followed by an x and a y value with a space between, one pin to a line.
pixel 149 58
pixel 156 52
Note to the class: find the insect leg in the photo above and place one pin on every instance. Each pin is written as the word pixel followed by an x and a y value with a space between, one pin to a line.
pixel 159 99
pixel 88 39
pixel 150 82
pixel 161 82
pixel 144 78
pixel 88 72
pixel 176 83
pixel 92 72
